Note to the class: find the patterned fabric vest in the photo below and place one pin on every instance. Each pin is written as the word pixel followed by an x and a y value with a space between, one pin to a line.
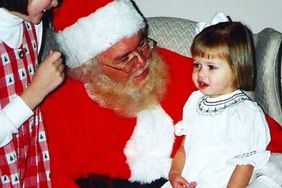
pixel 24 162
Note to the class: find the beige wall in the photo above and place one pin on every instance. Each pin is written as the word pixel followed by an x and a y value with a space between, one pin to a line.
pixel 257 14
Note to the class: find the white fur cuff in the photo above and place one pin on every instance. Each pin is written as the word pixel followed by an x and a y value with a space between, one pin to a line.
pixel 149 148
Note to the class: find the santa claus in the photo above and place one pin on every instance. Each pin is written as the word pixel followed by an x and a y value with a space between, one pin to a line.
pixel 111 122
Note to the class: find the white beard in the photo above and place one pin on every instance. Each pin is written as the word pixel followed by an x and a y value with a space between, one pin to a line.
pixel 128 99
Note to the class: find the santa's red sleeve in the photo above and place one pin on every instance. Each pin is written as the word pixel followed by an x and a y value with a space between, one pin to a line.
pixel 275 144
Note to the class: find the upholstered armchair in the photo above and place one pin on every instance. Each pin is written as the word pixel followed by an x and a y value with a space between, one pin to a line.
pixel 177 34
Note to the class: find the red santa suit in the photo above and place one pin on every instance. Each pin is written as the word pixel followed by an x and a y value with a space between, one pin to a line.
pixel 85 138
pixel 88 139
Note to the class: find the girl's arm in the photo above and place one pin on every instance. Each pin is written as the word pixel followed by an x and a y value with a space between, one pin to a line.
pixel 241 176
pixel 48 76
pixel 174 176
pixel 178 161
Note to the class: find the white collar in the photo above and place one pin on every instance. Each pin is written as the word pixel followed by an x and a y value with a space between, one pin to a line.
pixel 215 105
pixel 11 29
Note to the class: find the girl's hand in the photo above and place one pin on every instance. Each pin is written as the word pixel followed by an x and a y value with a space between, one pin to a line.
pixel 177 181
pixel 48 76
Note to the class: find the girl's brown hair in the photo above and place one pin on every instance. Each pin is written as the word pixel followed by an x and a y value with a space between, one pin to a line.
pixel 233 42
pixel 15 5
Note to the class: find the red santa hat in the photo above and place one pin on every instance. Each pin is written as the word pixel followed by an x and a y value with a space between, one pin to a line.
pixel 85 28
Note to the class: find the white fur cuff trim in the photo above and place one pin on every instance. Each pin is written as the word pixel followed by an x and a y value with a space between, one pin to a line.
pixel 149 148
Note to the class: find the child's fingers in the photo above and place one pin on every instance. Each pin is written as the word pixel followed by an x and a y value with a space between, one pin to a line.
pixel 53 56
pixel 50 52
pixel 61 67
pixel 182 181
pixel 191 185
pixel 59 64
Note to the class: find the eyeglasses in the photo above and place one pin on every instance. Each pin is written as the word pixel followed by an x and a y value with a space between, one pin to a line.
pixel 128 62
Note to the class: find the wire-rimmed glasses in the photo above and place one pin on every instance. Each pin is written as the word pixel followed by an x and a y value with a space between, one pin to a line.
pixel 127 63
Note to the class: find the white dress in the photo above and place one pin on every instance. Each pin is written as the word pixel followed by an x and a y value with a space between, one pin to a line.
pixel 222 132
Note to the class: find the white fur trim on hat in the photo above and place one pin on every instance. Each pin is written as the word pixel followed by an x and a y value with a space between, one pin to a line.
pixel 95 33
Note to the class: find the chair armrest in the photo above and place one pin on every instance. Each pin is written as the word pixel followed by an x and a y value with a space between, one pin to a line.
pixel 268 72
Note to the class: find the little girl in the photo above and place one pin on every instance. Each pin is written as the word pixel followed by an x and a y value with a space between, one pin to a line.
pixel 226 133
pixel 24 157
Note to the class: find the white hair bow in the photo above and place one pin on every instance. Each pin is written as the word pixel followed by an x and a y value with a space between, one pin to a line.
pixel 219 17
